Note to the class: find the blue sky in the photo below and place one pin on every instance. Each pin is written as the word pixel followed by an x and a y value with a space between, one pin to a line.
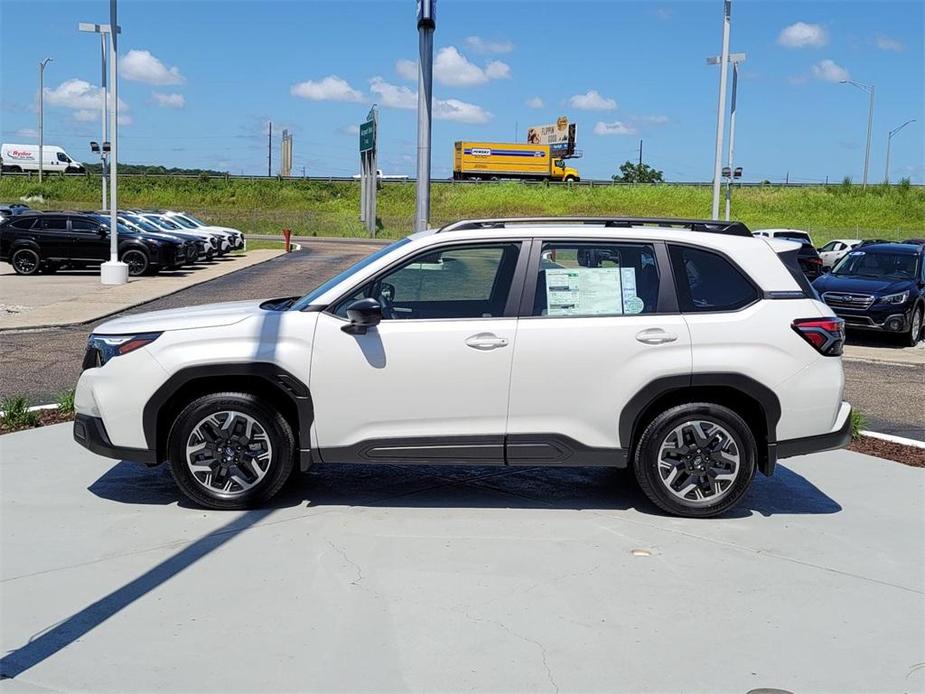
pixel 201 79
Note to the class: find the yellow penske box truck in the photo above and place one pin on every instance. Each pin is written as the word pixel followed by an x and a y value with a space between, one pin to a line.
pixel 499 160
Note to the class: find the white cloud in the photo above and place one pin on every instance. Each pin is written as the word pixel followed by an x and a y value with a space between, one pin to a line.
pixel 887 43
pixel 592 101
pixel 615 128
pixel 407 69
pixel 350 130
pixel 141 66
pixel 801 34
pixel 656 119
pixel 169 100
pixel 393 95
pixel 535 102
pixel 331 88
pixel 85 101
pixel 460 111
pixel 480 45
pixel 829 71
pixel 85 116
pixel 27 132
pixel 453 69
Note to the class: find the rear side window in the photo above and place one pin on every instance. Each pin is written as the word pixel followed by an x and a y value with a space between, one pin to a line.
pixel 706 281
pixel 23 224
pixel 56 223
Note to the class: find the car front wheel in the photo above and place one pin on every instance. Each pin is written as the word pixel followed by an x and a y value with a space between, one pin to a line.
pixel 696 460
pixel 137 262
pixel 25 261
pixel 229 451
pixel 911 338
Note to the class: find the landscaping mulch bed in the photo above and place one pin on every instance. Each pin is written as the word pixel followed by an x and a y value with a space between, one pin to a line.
pixel 46 418
pixel 907 455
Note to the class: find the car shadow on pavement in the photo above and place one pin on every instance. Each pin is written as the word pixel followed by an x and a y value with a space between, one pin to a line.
pixel 49 642
pixel 425 486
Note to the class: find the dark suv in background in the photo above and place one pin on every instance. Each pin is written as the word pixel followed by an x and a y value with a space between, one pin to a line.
pixel 47 241
pixel 879 286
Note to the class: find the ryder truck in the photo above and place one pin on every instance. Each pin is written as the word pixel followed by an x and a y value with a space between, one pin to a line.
pixel 498 160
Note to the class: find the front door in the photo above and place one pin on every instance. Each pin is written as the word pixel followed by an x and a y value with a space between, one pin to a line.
pixel 89 239
pixel 430 382
pixel 598 324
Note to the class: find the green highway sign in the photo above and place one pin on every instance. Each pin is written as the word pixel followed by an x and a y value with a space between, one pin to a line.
pixel 368 136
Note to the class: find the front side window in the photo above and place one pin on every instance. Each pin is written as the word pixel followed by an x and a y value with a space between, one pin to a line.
pixel 84 225
pixel 706 281
pixel 62 158
pixel 456 282
pixel 596 279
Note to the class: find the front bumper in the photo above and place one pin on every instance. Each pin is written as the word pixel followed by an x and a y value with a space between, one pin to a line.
pixel 891 319
pixel 839 437
pixel 90 432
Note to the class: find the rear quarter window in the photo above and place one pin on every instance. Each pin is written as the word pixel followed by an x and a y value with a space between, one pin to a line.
pixel 708 282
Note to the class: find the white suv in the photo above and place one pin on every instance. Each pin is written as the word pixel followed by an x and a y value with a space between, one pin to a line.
pixel 691 351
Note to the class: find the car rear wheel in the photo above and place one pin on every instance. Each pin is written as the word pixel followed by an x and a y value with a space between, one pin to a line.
pixel 25 261
pixel 229 451
pixel 911 338
pixel 695 460
pixel 137 262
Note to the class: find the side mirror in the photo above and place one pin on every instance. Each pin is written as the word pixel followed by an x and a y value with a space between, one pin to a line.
pixel 363 315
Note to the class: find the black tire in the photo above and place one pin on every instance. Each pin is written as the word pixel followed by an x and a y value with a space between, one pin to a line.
pixel 660 430
pixel 278 433
pixel 25 261
pixel 49 267
pixel 914 334
pixel 137 261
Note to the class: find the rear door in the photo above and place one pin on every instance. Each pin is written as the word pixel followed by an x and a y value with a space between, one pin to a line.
pixel 55 238
pixel 598 323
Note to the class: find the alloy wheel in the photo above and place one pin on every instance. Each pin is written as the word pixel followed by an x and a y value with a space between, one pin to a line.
pixel 916 326
pixel 228 453
pixel 136 261
pixel 698 462
pixel 25 262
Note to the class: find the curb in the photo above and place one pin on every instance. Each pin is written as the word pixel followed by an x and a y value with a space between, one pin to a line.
pixel 894 439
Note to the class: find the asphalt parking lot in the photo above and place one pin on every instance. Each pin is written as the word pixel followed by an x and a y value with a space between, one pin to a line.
pixel 365 578
pixel 47 362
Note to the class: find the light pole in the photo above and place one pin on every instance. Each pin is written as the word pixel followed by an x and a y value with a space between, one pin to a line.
pixel 427 22
pixel 721 108
pixel 735 59
pixel 869 88
pixel 42 116
pixel 103 31
pixel 889 140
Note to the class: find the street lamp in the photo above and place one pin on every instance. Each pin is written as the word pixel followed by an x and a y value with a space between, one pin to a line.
pixel 889 140
pixel 735 59
pixel 721 108
pixel 103 31
pixel 869 88
pixel 427 22
pixel 42 116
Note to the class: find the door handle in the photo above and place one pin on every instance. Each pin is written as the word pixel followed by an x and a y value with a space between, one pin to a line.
pixel 486 341
pixel 655 336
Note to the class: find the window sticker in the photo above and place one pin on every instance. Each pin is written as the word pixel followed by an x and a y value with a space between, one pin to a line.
pixel 584 291
pixel 631 301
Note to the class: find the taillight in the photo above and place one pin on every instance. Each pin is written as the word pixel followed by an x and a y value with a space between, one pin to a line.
pixel 814 261
pixel 827 335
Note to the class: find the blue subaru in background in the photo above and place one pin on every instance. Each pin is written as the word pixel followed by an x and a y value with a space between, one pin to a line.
pixel 879 287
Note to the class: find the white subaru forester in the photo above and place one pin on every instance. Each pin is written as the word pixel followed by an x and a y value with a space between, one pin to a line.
pixel 689 350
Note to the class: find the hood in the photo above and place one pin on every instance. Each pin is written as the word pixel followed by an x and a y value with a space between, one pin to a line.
pixel 207 316
pixel 863 285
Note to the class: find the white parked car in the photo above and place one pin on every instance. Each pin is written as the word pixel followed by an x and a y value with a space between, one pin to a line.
pixel 184 219
pixel 221 242
pixel 835 250
pixel 790 234
pixel 690 351
pixel 17 158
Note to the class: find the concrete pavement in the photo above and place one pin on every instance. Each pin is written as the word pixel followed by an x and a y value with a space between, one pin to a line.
pixel 69 297
pixel 366 578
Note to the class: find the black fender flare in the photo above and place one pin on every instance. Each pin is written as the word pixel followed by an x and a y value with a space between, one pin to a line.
pixel 275 376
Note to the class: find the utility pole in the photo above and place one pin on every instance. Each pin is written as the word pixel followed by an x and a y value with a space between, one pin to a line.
pixel 721 108
pixel 113 271
pixel 640 154
pixel 869 88
pixel 427 23
pixel 270 150
pixel 889 140
pixel 105 114
pixel 42 116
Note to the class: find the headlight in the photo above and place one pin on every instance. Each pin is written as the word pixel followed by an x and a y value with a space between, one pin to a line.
pixel 900 298
pixel 102 348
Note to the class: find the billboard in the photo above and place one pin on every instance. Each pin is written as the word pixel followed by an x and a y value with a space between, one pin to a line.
pixel 560 136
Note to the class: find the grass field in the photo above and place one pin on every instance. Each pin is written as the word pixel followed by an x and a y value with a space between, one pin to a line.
pixel 332 209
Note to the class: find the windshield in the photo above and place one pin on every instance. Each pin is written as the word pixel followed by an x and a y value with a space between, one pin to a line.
pixel 104 221
pixel 182 221
pixel 877 265
pixel 194 220
pixel 163 223
pixel 141 223
pixel 307 300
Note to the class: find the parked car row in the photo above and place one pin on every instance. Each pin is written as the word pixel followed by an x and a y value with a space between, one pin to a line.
pixel 34 242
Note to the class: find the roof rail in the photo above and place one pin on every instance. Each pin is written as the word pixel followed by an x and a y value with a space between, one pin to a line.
pixel 706 225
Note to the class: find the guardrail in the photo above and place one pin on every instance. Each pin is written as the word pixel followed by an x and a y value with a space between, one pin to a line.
pixel 450 181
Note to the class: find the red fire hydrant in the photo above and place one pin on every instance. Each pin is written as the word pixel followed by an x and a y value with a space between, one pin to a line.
pixel 287 234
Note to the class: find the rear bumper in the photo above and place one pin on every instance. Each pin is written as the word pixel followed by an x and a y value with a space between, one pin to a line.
pixel 839 437
pixel 90 433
